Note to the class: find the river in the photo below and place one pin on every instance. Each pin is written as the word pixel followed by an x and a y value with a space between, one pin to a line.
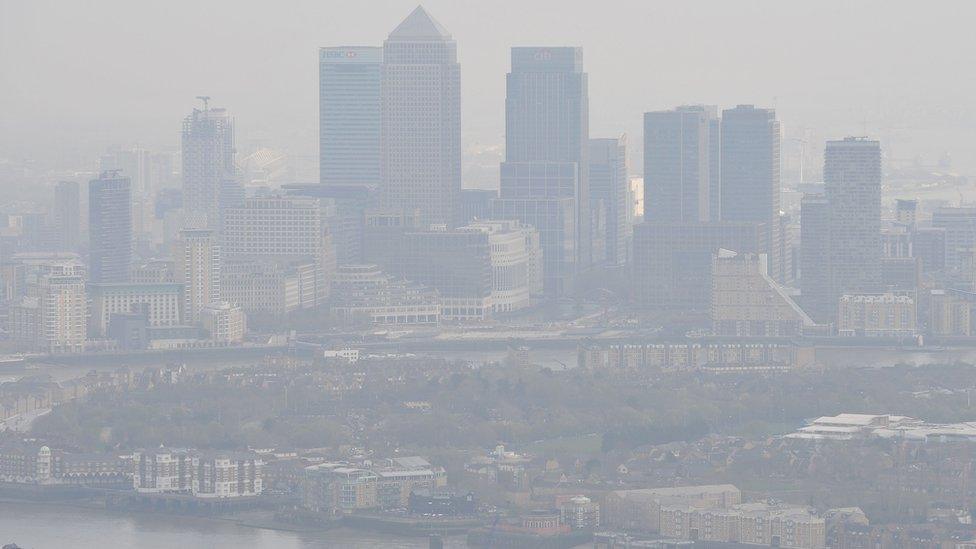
pixel 38 526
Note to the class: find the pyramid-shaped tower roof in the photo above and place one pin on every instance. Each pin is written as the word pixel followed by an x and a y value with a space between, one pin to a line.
pixel 419 25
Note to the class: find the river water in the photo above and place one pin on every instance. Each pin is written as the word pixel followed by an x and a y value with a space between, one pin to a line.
pixel 37 526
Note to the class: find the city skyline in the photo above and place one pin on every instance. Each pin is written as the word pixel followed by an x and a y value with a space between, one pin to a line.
pixel 293 123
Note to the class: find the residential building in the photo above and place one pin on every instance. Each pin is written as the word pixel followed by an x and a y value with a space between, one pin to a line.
pixel 218 475
pixel 209 172
pixel 333 488
pixel 852 184
pixel 882 315
pixel 109 228
pixel 225 323
pixel 746 301
pixel 814 258
pixel 197 258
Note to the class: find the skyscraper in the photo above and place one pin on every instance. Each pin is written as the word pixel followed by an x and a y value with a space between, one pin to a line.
pixel 420 138
pixel 66 216
pixel 208 165
pixel 852 184
pixel 750 186
pixel 197 258
pixel 110 228
pixel 609 192
pixel 677 166
pixel 547 121
pixel 349 115
pixel 815 257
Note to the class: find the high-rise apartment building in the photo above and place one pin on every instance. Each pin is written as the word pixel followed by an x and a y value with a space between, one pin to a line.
pixel 420 138
pixel 750 186
pixel 349 115
pixel 209 173
pixel 547 122
pixel 677 166
pixel 609 193
pixel 110 228
pixel 197 265
pixel 53 316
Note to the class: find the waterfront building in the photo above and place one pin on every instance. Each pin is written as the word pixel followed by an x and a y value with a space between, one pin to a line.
pixel 747 302
pixel 366 293
pixel 163 303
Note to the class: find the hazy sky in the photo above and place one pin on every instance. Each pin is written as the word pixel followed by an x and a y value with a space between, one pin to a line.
pixel 76 76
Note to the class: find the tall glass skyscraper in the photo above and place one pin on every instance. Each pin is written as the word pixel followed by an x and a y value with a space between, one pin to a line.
pixel 751 174
pixel 420 140
pixel 677 166
pixel 349 115
pixel 110 228
pixel 547 121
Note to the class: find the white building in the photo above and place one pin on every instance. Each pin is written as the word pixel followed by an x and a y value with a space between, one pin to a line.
pixel 224 322
pixel 197 258
pixel 164 302
pixel 516 263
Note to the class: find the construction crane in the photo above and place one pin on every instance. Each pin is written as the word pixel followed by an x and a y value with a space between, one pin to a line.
pixel 206 101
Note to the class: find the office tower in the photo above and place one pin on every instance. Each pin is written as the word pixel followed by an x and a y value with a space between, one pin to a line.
pixel 66 216
pixel 346 221
pixel 197 259
pixel 282 229
pixel 906 213
pixel 852 185
pixel 673 261
pixel 609 193
pixel 959 224
pixel 420 140
pixel 815 257
pixel 476 204
pixel 554 218
pixel 750 186
pixel 929 245
pixel 677 164
pixel 547 122
pixel 349 115
pixel 109 228
pixel 208 165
